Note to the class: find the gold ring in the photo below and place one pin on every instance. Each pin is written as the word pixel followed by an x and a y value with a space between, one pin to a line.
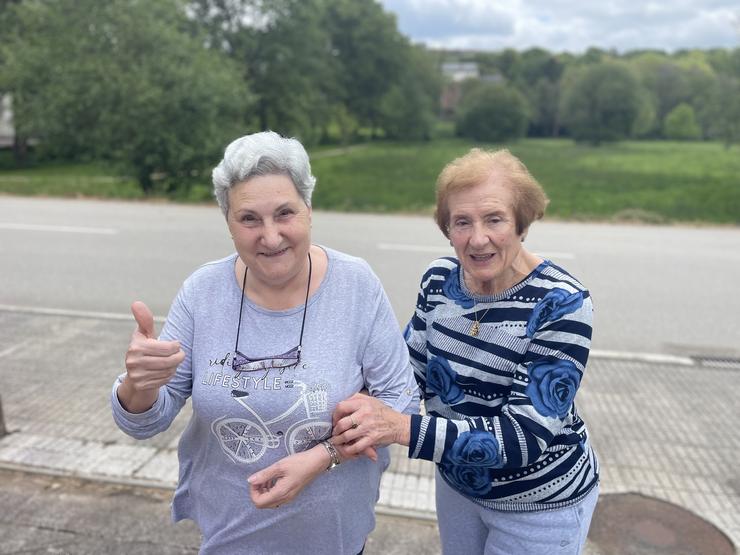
pixel 354 424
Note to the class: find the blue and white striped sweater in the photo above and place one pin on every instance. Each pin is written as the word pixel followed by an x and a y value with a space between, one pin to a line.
pixel 501 422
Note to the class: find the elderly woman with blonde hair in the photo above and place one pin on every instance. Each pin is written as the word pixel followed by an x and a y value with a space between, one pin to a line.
pixel 499 343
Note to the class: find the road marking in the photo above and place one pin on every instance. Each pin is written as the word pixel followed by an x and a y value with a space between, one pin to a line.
pixel 447 249
pixel 14 348
pixel 412 248
pixel 655 358
pixel 643 357
pixel 47 311
pixel 59 228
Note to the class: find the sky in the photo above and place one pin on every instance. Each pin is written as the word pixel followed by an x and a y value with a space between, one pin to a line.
pixel 569 25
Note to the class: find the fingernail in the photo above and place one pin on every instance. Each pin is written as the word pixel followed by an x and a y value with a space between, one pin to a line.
pixel 251 479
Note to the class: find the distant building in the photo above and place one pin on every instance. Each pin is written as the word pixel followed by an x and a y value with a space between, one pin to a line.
pixel 455 73
pixel 7 131
pixel 459 71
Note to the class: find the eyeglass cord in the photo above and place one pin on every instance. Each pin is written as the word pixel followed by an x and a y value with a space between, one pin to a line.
pixel 305 306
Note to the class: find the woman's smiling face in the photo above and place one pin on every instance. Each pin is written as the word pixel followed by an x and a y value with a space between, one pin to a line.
pixel 482 229
pixel 271 227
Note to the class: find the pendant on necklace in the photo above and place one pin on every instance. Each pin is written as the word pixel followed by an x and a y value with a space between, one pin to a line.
pixel 474 329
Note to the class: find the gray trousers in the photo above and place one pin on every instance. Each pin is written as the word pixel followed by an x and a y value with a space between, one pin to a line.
pixel 469 529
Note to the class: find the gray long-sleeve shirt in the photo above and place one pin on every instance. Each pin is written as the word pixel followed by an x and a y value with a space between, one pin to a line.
pixel 244 422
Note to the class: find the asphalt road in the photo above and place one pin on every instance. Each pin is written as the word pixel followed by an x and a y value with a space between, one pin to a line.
pixel 656 289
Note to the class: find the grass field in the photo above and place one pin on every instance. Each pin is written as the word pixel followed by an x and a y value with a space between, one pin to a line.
pixel 645 181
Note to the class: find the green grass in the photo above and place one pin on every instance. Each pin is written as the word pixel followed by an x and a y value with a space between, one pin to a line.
pixel 647 181
pixel 66 180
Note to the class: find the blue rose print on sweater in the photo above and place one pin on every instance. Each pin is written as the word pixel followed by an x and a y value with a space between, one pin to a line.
pixel 442 380
pixel 452 290
pixel 556 304
pixel 552 386
pixel 473 480
pixel 475 448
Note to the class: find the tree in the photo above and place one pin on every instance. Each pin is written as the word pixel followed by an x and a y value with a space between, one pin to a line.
pixel 680 124
pixel 125 81
pixel 601 102
pixel 369 48
pixel 313 63
pixel 492 112
pixel 283 48
pixel 408 109
pixel 724 111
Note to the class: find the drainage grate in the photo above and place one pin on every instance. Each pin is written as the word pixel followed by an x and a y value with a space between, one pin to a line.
pixel 730 363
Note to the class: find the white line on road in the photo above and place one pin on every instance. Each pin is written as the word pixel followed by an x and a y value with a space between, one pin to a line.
pixel 447 249
pixel 655 358
pixel 14 348
pixel 643 357
pixel 46 311
pixel 59 228
pixel 413 248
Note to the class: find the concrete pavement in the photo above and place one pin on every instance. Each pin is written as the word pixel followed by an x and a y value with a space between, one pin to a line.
pixel 665 426
pixel 665 430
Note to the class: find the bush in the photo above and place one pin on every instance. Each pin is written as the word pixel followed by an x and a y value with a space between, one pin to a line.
pixel 492 113
pixel 680 124
pixel 602 102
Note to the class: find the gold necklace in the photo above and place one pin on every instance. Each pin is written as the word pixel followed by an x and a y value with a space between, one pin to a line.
pixel 475 328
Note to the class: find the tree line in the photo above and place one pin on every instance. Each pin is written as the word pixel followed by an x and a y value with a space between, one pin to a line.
pixel 156 88
pixel 604 96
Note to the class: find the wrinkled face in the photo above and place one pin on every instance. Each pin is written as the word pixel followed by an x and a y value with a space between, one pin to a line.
pixel 271 227
pixel 482 229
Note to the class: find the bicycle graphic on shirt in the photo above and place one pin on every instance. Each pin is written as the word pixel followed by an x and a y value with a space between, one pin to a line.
pixel 245 441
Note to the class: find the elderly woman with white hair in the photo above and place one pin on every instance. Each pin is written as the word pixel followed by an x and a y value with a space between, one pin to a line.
pixel 267 342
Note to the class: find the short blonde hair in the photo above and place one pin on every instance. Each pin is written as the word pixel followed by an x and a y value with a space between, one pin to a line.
pixel 474 168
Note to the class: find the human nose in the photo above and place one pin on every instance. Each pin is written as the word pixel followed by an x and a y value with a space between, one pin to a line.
pixel 271 236
pixel 478 236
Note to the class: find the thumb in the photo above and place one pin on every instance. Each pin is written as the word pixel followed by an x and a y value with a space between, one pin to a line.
pixel 144 318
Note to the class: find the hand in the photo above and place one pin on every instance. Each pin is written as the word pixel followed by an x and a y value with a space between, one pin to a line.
pixel 362 421
pixel 150 363
pixel 282 481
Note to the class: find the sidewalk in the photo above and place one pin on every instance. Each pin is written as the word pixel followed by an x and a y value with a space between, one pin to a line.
pixel 664 430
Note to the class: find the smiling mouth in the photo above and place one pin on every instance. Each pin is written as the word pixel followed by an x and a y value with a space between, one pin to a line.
pixel 482 257
pixel 274 254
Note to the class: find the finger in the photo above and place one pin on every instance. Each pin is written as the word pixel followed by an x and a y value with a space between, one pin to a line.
pixel 155 347
pixel 143 380
pixel 359 446
pixel 346 407
pixel 154 364
pixel 144 319
pixel 266 477
pixel 371 453
pixel 346 437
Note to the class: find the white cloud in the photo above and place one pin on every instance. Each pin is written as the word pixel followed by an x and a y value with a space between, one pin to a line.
pixel 567 25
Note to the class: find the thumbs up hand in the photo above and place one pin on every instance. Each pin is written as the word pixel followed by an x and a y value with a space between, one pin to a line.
pixel 150 363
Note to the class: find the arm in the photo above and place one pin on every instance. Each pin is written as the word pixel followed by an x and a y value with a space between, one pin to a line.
pixel 376 423
pixel 282 481
pixel 157 381
pixel 539 406
pixel 386 369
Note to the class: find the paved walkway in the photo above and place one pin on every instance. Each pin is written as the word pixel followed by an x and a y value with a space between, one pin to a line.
pixel 665 430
